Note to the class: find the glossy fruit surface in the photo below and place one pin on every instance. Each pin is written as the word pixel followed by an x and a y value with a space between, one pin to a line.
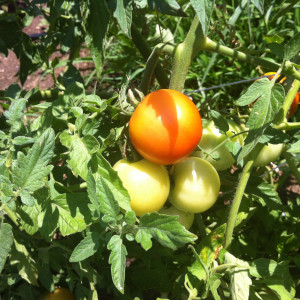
pixel 196 185
pixel 269 153
pixel 60 294
pixel 148 184
pixel 165 127
pixel 185 218
pixel 211 138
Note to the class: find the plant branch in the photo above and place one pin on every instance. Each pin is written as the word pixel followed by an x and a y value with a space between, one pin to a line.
pixel 288 126
pixel 239 195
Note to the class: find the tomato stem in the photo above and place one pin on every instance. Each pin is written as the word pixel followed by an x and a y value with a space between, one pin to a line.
pixel 184 54
pixel 201 225
pixel 239 195
pixel 288 126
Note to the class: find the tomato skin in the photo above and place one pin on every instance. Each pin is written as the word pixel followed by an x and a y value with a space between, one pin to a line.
pixel 211 138
pixel 60 294
pixel 196 185
pixel 148 184
pixel 269 153
pixel 165 127
pixel 185 218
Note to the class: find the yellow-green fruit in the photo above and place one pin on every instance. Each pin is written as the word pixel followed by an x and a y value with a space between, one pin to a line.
pixel 269 153
pixel 147 183
pixel 185 218
pixel 196 185
pixel 211 138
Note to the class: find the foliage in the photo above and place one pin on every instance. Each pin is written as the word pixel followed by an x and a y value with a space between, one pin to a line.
pixel 65 217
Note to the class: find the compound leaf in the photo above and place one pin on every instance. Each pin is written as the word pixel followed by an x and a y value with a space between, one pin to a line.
pixel 30 171
pixel 87 247
pixel 165 229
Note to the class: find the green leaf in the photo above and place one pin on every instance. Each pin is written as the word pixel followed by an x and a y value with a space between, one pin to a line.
pixel 69 212
pixel 15 113
pixel 22 140
pixel 81 150
pixel 208 250
pixel 168 7
pixel 264 193
pixel 219 121
pixel 240 281
pixel 96 28
pixel 87 247
pixel 214 283
pixel 6 241
pixel 277 49
pixel 27 198
pixel 91 189
pixel 30 217
pixel 259 4
pixel 123 14
pixel 26 265
pixel 165 229
pixel 30 171
pixel 263 267
pixel 108 204
pixel 295 147
pixel 113 181
pixel 117 259
pixel 292 48
pixel 203 9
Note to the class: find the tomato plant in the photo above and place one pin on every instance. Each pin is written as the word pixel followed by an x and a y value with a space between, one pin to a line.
pixel 196 185
pixel 148 184
pixel 165 127
pixel 60 294
pixel 213 142
pixel 184 218
pixel 71 76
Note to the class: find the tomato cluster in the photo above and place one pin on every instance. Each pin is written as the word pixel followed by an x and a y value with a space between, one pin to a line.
pixel 165 128
pixel 60 294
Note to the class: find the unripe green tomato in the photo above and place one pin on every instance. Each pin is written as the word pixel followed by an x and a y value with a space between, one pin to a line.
pixel 185 218
pixel 269 153
pixel 147 183
pixel 211 138
pixel 196 185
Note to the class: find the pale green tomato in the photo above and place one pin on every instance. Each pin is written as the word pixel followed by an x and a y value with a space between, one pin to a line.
pixel 211 138
pixel 185 218
pixel 148 184
pixel 269 153
pixel 196 185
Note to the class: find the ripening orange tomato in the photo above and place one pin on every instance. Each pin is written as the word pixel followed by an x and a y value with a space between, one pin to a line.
pixel 165 127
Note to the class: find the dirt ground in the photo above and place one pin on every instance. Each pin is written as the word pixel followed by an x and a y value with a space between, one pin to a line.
pixel 10 65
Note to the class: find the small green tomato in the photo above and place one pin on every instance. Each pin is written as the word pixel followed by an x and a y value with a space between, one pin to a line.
pixel 185 218
pixel 196 185
pixel 211 138
pixel 147 183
